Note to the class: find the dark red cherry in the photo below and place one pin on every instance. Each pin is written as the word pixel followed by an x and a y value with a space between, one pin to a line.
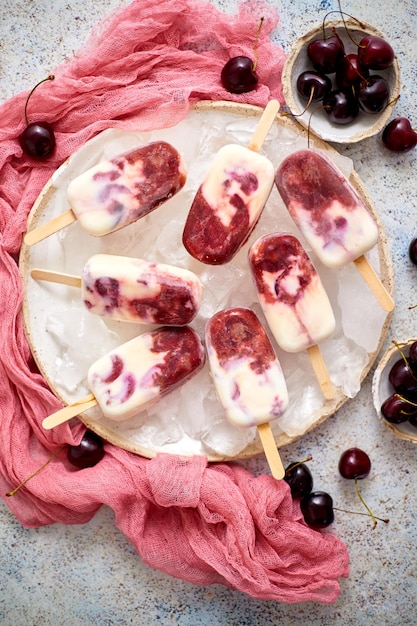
pixel 314 85
pixel 317 509
pixel 341 107
pixel 299 478
pixel 349 73
pixel 375 53
pixel 402 377
pixel 238 75
pixel 399 136
pixel 326 54
pixel 38 138
pixel 88 453
pixel 396 410
pixel 354 463
pixel 373 94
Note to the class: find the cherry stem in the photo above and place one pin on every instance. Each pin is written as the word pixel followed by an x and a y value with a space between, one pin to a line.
pixel 309 458
pixel 50 77
pixel 344 23
pixel 380 519
pixel 371 515
pixel 310 99
pixel 407 401
pixel 320 106
pixel 51 458
pixel 342 13
pixel 255 47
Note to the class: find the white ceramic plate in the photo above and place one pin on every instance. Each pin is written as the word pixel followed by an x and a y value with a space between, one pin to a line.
pixel 382 389
pixel 65 338
pixel 365 125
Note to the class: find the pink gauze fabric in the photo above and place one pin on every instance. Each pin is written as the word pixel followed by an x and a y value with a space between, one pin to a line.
pixel 144 68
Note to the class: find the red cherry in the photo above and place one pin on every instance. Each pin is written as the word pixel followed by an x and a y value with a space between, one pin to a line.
pixel 398 135
pixel 375 53
pixel 373 94
pixel 341 107
pixel 354 463
pixel 88 452
pixel 326 54
pixel 238 75
pixel 349 72
pixel 38 140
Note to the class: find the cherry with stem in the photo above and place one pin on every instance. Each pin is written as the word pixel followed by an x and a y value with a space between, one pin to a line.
pixel 38 138
pixel 355 464
pixel 239 73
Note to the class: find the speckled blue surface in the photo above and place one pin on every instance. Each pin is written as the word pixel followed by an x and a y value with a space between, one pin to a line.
pixel 82 575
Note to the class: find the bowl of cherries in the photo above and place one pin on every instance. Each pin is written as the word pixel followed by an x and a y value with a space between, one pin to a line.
pixel 341 80
pixel 394 389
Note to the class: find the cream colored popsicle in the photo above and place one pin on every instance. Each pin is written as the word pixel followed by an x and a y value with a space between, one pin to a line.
pixel 134 290
pixel 231 198
pixel 293 299
pixel 117 192
pixel 330 214
pixel 139 372
pixel 247 375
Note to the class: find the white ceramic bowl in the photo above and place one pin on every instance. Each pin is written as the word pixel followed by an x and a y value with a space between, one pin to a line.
pixel 382 389
pixel 366 124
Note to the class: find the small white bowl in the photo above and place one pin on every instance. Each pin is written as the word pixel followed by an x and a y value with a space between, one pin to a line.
pixel 366 124
pixel 382 389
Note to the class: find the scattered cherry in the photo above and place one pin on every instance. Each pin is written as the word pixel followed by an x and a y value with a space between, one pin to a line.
pixel 238 75
pixel 299 478
pixel 399 136
pixel 354 463
pixel 317 509
pixel 38 138
pixel 88 453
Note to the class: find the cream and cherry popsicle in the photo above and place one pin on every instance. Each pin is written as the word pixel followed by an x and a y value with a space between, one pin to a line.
pixel 230 200
pixel 117 192
pixel 134 290
pixel 247 375
pixel 330 214
pixel 293 299
pixel 139 372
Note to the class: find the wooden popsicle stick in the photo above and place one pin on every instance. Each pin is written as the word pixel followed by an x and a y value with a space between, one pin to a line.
pixel 271 451
pixel 56 277
pixel 68 412
pixel 264 126
pixel 51 227
pixel 374 283
pixel 320 370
